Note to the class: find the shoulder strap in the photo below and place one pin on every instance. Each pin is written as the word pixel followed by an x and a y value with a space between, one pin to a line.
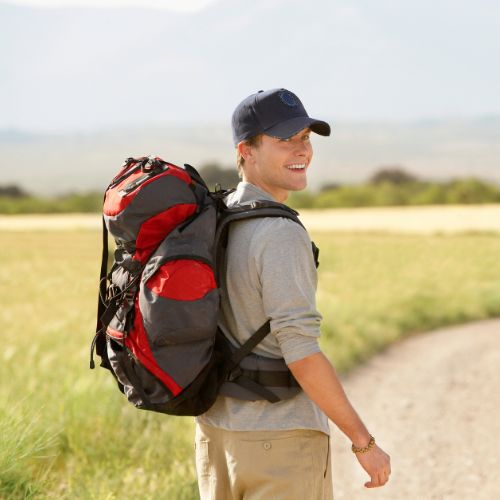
pixel 253 210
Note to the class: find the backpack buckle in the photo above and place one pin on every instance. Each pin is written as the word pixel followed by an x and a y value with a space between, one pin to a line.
pixel 234 374
pixel 153 165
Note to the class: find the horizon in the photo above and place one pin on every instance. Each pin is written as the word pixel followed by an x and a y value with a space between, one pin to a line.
pixel 220 124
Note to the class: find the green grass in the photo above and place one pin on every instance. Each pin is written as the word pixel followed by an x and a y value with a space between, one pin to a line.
pixel 66 432
pixel 71 203
pixel 374 289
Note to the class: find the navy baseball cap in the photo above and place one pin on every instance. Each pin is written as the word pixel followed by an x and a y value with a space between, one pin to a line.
pixel 276 112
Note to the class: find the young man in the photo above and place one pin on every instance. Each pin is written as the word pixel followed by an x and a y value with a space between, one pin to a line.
pixel 257 449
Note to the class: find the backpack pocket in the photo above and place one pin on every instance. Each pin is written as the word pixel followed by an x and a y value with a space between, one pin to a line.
pixel 139 385
pixel 179 303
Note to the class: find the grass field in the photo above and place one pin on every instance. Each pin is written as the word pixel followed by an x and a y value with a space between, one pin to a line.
pixel 66 432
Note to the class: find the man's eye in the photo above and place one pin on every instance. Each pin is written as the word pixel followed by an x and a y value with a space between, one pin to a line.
pixel 306 137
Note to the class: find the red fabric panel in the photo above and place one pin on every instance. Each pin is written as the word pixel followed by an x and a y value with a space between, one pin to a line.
pixel 116 202
pixel 182 280
pixel 137 342
pixel 114 333
pixel 155 229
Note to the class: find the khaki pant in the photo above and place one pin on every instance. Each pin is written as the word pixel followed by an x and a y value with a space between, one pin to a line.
pixel 263 465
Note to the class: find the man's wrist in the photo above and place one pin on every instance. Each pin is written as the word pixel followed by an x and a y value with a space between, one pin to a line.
pixel 364 449
pixel 361 440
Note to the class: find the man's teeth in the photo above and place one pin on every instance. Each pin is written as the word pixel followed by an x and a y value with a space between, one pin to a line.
pixel 296 166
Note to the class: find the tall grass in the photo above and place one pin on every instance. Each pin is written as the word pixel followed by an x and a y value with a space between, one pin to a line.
pixel 66 432
pixel 375 289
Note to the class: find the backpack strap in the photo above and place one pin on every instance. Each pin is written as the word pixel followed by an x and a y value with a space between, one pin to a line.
pixel 101 305
pixel 101 298
pixel 253 210
pixel 254 382
pixel 236 375
pixel 249 345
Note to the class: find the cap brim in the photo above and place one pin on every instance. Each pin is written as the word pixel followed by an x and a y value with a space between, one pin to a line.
pixel 288 128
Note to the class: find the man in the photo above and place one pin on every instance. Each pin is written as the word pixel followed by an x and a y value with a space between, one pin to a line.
pixel 257 449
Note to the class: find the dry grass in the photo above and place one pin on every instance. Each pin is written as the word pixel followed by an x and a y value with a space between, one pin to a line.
pixel 418 220
pixel 90 443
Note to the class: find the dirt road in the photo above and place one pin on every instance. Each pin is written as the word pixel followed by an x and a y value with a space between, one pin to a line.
pixel 433 403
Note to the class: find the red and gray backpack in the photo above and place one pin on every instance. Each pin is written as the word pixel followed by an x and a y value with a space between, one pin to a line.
pixel 158 304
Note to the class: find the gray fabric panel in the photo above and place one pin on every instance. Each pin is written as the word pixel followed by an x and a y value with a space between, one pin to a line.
pixel 169 321
pixel 183 362
pixel 118 321
pixel 180 333
pixel 234 390
pixel 195 239
pixel 120 277
pixel 262 363
pixel 156 197
pixel 153 389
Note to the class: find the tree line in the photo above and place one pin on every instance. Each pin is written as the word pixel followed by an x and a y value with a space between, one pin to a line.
pixel 388 186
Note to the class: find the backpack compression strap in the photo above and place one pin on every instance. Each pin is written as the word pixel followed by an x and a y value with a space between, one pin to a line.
pixel 236 374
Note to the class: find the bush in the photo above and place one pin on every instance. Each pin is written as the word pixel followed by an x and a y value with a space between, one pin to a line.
pixel 13 191
pixel 214 174
pixel 75 203
pixel 472 191
pixel 301 199
pixel 391 193
pixel 392 175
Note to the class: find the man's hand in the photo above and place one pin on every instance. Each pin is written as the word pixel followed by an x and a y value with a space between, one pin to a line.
pixel 378 465
pixel 319 380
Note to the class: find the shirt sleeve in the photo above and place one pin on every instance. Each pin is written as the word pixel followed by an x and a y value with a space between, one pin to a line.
pixel 288 278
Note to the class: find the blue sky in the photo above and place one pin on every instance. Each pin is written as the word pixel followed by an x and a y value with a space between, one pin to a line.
pixel 90 68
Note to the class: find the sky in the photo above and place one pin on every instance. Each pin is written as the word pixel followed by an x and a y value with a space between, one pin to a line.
pixel 173 5
pixel 101 64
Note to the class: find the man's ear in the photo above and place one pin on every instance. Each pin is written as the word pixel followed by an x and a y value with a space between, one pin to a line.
pixel 244 149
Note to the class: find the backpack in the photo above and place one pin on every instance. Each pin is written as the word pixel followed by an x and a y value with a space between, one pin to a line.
pixel 158 305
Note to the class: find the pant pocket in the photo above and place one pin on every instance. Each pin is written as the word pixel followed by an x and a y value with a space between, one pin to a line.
pixel 327 460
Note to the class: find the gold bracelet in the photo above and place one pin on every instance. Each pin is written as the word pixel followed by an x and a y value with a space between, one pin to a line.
pixel 368 447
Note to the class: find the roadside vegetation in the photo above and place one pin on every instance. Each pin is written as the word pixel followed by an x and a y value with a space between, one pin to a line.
pixel 387 187
pixel 396 187
pixel 66 432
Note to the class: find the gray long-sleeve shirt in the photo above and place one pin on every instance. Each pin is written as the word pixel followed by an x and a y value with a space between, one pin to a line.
pixel 270 274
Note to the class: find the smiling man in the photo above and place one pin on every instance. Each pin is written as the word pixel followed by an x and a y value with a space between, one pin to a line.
pixel 248 447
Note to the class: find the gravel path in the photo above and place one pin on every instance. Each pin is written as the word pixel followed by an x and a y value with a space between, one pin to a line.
pixel 433 403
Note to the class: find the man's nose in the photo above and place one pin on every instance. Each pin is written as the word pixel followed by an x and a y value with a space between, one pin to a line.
pixel 302 148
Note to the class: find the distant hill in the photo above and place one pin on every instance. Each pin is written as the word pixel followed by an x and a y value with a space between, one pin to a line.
pixel 435 150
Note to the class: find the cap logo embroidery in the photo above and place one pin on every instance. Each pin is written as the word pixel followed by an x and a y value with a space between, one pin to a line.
pixel 288 98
